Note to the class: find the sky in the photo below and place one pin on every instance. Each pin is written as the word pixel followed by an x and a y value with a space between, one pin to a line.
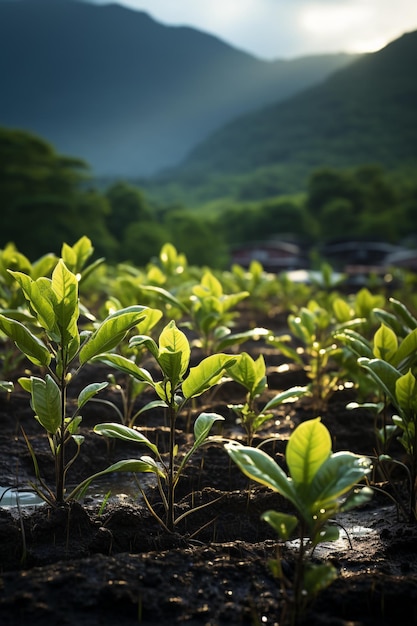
pixel 272 29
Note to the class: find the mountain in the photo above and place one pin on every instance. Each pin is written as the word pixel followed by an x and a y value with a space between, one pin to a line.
pixel 125 93
pixel 363 113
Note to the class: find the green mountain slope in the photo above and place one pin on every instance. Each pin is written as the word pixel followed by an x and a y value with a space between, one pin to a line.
pixel 127 94
pixel 364 113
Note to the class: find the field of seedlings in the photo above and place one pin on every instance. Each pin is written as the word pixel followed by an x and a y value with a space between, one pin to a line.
pixel 184 446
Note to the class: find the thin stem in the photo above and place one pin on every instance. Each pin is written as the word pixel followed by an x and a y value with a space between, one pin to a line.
pixel 171 473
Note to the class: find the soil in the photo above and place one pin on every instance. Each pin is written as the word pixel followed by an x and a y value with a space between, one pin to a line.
pixel 99 562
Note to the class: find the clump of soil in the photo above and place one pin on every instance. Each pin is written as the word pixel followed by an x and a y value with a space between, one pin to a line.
pixel 86 564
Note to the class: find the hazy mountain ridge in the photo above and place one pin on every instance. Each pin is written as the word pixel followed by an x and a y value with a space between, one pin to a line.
pixel 363 113
pixel 129 95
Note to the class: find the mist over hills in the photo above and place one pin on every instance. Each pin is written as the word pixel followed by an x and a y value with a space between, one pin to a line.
pixel 125 93
pixel 363 113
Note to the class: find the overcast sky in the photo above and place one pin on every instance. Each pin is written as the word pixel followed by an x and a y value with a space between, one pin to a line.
pixel 289 28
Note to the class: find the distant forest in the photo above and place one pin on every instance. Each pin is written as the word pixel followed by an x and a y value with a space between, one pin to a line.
pixel 48 199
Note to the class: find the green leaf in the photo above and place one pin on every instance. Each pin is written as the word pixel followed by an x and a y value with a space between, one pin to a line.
pixel 308 447
pixel 26 341
pixel 165 296
pixel 206 374
pixel 209 285
pixel 76 256
pixel 203 425
pixel 283 524
pixel 384 374
pixel 358 497
pixel 138 341
pixel 119 431
pixel 41 298
pixel 259 466
pixel 144 464
pixel 235 339
pixel 46 403
pixel 360 346
pixel 342 310
pixel 385 343
pixel 173 341
pixel 402 311
pixel 249 373
pixel 407 351
pixel 89 391
pixel 111 332
pixel 124 365
pixel 6 385
pixel 390 320
pixel 285 396
pixel 405 392
pixel 66 309
pixel 171 366
pixel 317 577
pixel 337 475
pixel 328 532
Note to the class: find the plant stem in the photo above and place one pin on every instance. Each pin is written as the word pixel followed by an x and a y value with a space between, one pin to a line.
pixel 60 461
pixel 171 487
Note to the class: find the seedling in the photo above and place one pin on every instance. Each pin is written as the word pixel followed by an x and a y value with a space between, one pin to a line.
pixel 389 361
pixel 60 351
pixel 212 313
pixel 252 375
pixel 178 386
pixel 320 484
pixel 313 327
pixel 401 389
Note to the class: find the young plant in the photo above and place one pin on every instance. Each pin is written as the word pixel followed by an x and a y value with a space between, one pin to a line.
pixel 320 484
pixel 313 327
pixel 177 387
pixel 401 391
pixel 251 374
pixel 60 351
pixel 388 355
pixel 212 316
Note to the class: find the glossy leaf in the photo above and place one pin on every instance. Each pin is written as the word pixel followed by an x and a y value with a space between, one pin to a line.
pixel 174 353
pixel 337 475
pixel 125 365
pixel 144 464
pixel 119 431
pixel 46 402
pixel 65 287
pixel 384 374
pixel 405 392
pixel 26 341
pixel 89 392
pixel 250 373
pixel 40 295
pixel 206 374
pixel 407 351
pixel 111 331
pixel 285 396
pixel 307 449
pixel 385 343
pixel 235 339
pixel 203 426
pixel 283 524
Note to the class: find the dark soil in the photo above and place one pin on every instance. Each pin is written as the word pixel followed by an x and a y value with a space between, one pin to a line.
pixel 86 565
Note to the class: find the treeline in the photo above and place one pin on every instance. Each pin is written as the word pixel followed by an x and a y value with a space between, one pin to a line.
pixel 47 198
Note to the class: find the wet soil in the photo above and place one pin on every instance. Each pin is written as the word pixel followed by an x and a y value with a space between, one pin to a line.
pixel 89 563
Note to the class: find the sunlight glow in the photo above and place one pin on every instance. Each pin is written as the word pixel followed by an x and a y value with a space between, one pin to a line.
pixel 322 19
